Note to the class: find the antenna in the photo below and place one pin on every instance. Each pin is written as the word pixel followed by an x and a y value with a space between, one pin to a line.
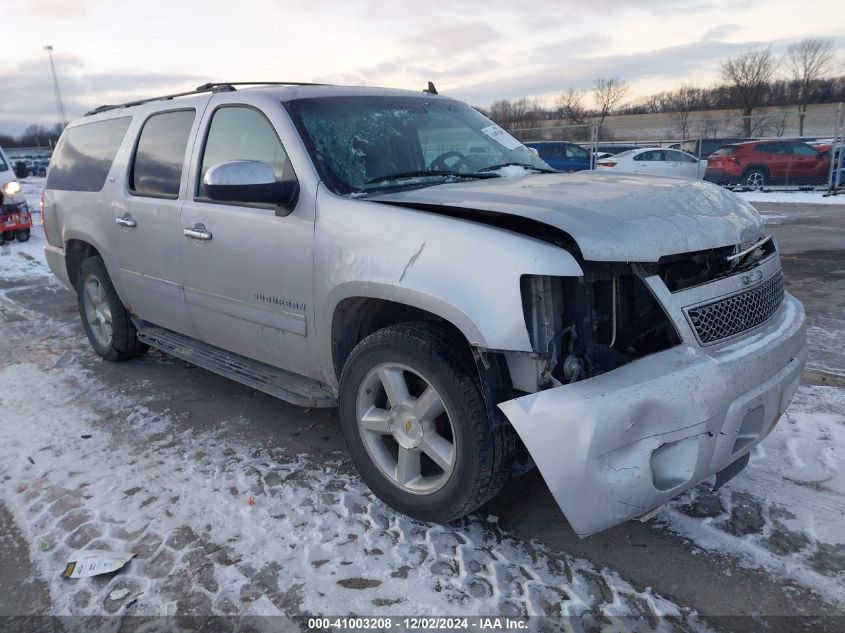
pixel 60 109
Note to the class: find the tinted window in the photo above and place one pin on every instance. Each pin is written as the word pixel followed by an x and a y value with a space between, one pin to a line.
pixel 724 151
pixel 650 156
pixel 3 166
pixel 157 165
pixel 573 151
pixel 241 133
pixel 680 157
pixel 803 149
pixel 84 155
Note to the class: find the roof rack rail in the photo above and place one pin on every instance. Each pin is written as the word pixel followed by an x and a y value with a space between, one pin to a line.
pixel 207 87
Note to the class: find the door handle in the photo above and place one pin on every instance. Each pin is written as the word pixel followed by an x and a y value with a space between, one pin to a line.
pixel 197 233
pixel 127 221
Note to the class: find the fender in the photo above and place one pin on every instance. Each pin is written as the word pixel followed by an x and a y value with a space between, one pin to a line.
pixel 464 272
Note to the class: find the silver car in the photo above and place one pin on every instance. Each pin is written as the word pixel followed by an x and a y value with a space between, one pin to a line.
pixel 469 310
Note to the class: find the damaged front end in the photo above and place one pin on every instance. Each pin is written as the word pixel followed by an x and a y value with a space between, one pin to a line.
pixel 646 379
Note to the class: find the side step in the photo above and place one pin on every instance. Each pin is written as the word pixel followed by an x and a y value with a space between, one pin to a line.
pixel 282 384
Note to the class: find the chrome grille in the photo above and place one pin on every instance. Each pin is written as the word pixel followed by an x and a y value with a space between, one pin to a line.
pixel 728 317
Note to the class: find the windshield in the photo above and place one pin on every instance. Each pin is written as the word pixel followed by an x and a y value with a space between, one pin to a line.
pixel 3 166
pixel 371 143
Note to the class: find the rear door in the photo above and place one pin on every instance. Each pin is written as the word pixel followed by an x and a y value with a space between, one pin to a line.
pixel 148 226
pixel 249 280
pixel 808 165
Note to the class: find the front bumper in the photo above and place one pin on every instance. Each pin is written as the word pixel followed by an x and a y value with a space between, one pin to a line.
pixel 618 445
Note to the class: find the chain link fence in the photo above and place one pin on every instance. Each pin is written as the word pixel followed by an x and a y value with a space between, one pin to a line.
pixel 782 158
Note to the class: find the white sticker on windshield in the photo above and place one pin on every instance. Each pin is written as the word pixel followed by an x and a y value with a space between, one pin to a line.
pixel 501 136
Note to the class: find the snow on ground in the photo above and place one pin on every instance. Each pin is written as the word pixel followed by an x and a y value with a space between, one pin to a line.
pixel 784 512
pixel 109 473
pixel 795 197
pixel 95 469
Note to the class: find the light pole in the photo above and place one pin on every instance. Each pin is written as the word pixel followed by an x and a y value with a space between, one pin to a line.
pixel 59 107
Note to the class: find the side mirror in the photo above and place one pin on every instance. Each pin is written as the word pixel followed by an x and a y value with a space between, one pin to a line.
pixel 250 181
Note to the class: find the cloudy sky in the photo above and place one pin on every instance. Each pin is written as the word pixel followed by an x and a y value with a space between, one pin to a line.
pixel 476 50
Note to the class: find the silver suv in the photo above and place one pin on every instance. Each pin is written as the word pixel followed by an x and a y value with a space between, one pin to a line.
pixel 469 310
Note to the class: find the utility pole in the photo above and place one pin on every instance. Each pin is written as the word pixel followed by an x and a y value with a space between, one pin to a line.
pixel 59 107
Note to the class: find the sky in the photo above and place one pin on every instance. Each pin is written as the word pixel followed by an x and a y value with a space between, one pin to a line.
pixel 478 51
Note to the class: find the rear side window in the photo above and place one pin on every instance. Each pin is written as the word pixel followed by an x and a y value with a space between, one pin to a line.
pixel 803 149
pixel 84 155
pixel 724 151
pixel 679 157
pixel 157 164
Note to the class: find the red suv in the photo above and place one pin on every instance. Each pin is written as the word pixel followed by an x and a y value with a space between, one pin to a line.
pixel 756 164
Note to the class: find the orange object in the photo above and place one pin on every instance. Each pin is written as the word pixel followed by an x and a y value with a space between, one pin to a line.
pixel 250 501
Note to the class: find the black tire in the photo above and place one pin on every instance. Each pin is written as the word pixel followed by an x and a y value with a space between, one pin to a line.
pixel 2 239
pixel 124 341
pixel 483 451
pixel 758 175
pixel 23 235
pixel 9 236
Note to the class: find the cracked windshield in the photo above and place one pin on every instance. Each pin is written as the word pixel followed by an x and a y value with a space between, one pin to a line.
pixel 363 144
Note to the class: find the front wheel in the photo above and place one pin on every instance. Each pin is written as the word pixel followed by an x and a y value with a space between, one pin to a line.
pixel 416 424
pixel 106 322
pixel 23 235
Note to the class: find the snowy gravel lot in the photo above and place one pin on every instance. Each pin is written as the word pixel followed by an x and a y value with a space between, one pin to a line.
pixel 144 457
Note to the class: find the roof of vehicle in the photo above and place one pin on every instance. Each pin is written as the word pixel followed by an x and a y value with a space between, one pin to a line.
pixel 551 143
pixel 284 91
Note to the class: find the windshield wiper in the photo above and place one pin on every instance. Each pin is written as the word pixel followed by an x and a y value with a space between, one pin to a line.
pixel 430 172
pixel 525 165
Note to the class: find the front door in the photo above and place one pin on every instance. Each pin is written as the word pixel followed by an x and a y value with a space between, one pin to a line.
pixel 248 271
pixel 149 232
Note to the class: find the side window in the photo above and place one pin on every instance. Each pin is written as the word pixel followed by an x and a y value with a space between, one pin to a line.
pixel 803 149
pixel 84 155
pixel 157 164
pixel 653 155
pixel 679 157
pixel 241 133
pixel 573 151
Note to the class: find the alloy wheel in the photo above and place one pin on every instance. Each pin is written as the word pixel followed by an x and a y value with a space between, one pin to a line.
pixel 97 310
pixel 406 429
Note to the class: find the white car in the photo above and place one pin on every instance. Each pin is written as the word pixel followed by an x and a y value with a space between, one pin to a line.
pixel 657 161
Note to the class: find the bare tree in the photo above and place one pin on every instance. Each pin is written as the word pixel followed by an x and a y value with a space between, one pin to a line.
pixel 748 75
pixel 570 104
pixel 808 61
pixel 608 94
pixel 708 127
pixel 514 115
pixel 680 104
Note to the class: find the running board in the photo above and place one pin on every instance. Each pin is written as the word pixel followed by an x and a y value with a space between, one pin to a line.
pixel 282 384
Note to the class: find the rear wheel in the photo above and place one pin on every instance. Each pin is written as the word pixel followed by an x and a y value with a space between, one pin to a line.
pixel 755 179
pixel 9 236
pixel 416 424
pixel 23 235
pixel 106 322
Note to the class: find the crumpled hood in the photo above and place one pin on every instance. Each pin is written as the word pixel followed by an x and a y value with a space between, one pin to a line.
pixel 612 217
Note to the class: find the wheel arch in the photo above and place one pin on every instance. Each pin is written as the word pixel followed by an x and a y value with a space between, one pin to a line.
pixel 76 252
pixel 356 316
